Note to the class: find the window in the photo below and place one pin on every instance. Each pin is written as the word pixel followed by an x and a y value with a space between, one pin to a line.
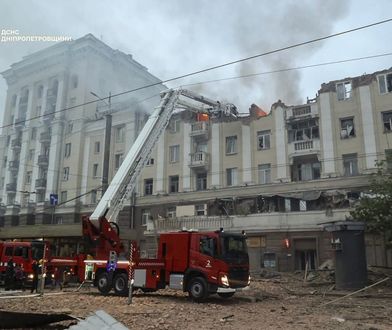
pixel 231 145
pixel 74 81
pixel 63 197
pixel 8 140
pixel 38 109
pixel 67 151
pixel 171 212
pixel 264 173
pixel 201 181
pixel 148 186
pixel 93 197
pixel 72 101
pixel 343 90
pixel 30 156
pixel 97 147
pixel 33 133
pixel 21 251
pixel 347 128
pixel 263 140
pixel 95 170
pixel 385 83
pixel 174 154
pixel 388 159
pixel 173 183
pixel 174 126
pixel 9 251
pixel 58 220
pixel 200 209
pixel 146 215
pixel 308 171
pixel 120 134
pixel 150 162
pixel 231 176
pixel 40 91
pixel 303 130
pixel 387 120
pixel 208 246
pixel 65 173
pixel 28 177
pixel 69 127
pixel 118 159
pixel 350 164
pixel 13 101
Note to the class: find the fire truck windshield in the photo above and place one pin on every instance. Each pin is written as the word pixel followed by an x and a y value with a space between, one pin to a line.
pixel 233 248
pixel 37 250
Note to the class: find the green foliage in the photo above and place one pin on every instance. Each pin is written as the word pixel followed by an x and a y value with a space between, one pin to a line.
pixel 376 209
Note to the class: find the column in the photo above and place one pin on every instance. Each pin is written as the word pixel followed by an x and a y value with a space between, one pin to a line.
pixel 369 137
pixel 161 151
pixel 246 155
pixel 186 170
pixel 327 137
pixel 215 155
pixel 280 144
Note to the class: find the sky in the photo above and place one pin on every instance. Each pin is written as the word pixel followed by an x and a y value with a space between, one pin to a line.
pixel 176 37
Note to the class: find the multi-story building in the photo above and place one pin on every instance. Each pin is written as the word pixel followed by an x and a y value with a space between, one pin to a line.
pixel 53 134
pixel 279 177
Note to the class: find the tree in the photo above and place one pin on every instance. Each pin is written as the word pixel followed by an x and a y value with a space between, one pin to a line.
pixel 375 209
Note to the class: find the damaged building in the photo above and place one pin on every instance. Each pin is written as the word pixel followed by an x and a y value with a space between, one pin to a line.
pixel 277 176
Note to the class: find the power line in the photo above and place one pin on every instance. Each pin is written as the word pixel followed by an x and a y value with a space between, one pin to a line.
pixel 215 67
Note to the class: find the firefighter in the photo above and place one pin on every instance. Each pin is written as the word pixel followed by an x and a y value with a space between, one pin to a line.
pixel 19 277
pixel 58 278
pixel 36 269
pixel 10 275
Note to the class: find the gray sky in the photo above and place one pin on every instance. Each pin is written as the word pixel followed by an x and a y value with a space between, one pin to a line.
pixel 175 37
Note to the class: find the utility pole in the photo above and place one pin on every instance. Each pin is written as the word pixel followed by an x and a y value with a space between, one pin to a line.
pixel 106 147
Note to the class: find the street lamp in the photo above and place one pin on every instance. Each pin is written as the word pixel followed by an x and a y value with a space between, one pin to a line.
pixel 106 148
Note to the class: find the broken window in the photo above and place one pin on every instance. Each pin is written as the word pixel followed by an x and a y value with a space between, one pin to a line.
pixel 307 171
pixel 231 145
pixel 385 83
pixel 264 173
pixel 231 176
pixel 350 164
pixel 303 130
pixel 263 140
pixel 347 128
pixel 387 120
pixel 146 215
pixel 148 186
pixel 343 90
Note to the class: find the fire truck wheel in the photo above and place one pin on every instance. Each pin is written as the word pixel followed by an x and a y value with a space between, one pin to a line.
pixel 198 289
pixel 226 295
pixel 104 283
pixel 120 284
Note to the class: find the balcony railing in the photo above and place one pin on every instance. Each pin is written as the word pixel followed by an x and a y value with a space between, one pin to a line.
pixel 199 159
pixel 10 187
pixel 40 184
pixel 304 145
pixel 196 222
pixel 13 165
pixel 16 143
pixel 301 112
pixel 44 137
pixel 199 128
pixel 43 160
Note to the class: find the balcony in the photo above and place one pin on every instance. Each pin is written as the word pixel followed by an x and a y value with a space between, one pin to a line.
pixel 19 123
pixel 200 129
pixel 43 160
pixel 44 137
pixel 16 144
pixel 13 165
pixel 302 112
pixel 199 159
pixel 299 148
pixel 40 184
pixel 10 187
